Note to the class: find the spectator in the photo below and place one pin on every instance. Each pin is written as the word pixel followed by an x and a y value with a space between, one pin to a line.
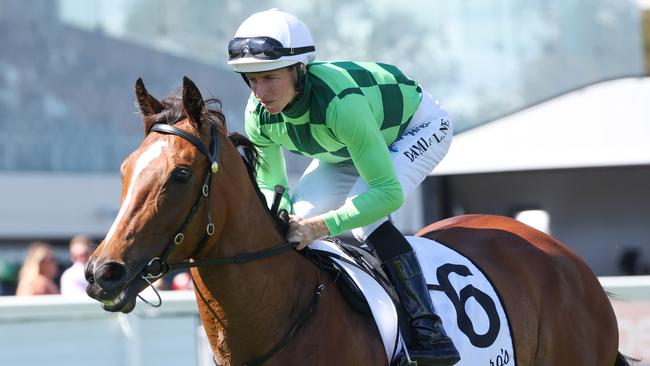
pixel 73 281
pixel 7 277
pixel 36 276
pixel 630 263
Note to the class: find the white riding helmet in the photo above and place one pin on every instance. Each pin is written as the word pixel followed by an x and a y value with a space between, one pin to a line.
pixel 270 40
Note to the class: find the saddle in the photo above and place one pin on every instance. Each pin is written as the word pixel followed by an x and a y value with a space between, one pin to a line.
pixel 363 259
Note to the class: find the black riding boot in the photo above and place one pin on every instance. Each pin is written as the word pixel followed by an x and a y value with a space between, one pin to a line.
pixel 431 346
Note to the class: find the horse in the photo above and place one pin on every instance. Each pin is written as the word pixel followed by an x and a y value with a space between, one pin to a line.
pixel 189 200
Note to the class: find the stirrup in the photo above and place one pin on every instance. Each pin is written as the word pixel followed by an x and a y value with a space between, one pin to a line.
pixel 404 361
pixel 405 358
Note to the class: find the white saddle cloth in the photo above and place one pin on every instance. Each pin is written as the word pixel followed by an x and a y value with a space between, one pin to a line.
pixel 469 306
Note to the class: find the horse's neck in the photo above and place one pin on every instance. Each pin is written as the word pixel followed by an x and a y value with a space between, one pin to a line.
pixel 246 306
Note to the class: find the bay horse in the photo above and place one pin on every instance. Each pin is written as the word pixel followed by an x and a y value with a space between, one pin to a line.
pixel 187 194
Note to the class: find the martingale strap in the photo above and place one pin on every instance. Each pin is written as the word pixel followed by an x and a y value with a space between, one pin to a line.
pixel 283 342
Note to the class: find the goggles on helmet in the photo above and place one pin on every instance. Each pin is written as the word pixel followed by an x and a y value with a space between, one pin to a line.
pixel 263 48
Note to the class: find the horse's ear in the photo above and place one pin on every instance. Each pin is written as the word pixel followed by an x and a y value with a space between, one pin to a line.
pixel 148 104
pixel 193 102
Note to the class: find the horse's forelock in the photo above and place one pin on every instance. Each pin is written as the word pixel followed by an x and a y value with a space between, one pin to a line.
pixel 174 113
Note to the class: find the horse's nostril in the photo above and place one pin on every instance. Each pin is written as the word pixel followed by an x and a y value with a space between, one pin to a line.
pixel 88 272
pixel 112 272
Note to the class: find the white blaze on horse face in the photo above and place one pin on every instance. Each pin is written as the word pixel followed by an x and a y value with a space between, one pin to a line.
pixel 143 161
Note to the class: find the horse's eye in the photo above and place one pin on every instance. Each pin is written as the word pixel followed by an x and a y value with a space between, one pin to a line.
pixel 181 174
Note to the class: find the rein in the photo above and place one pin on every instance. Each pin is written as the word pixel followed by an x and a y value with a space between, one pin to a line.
pixel 158 267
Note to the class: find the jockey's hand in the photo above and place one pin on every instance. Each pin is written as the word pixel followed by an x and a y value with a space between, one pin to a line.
pixel 304 231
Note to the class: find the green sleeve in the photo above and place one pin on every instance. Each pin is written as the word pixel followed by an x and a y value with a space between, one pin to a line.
pixel 353 123
pixel 271 170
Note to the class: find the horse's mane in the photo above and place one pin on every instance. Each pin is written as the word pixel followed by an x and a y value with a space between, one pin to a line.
pixel 248 152
pixel 250 157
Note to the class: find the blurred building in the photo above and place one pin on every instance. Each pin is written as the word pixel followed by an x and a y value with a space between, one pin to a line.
pixel 581 161
pixel 69 117
pixel 67 70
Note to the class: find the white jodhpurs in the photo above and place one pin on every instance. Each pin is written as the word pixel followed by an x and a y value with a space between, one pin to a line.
pixel 325 186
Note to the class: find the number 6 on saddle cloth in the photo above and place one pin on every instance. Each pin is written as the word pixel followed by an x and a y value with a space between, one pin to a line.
pixel 468 304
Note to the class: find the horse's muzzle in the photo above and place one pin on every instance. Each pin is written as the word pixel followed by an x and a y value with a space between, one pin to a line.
pixel 108 283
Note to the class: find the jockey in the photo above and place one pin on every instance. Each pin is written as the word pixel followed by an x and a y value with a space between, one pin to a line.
pixel 373 134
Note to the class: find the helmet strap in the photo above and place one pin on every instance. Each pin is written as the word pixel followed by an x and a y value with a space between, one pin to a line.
pixel 243 76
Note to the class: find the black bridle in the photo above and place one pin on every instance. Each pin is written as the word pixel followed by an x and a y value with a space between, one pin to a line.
pixel 158 267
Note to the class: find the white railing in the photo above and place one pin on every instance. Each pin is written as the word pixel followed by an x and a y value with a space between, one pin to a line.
pixel 55 330
pixel 631 302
